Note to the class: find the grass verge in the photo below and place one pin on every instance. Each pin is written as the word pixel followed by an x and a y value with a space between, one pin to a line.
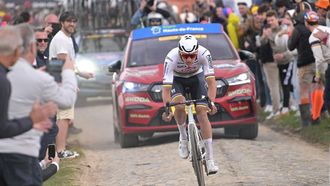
pixel 67 174
pixel 290 123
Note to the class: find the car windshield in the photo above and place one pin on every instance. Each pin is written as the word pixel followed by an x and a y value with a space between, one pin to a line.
pixel 102 43
pixel 154 50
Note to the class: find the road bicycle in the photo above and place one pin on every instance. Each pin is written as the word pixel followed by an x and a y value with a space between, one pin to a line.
pixel 196 144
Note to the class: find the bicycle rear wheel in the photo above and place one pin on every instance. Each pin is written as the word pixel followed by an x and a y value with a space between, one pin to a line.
pixel 197 161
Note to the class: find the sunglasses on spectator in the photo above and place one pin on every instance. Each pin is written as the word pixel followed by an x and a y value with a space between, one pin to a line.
pixel 186 56
pixel 44 40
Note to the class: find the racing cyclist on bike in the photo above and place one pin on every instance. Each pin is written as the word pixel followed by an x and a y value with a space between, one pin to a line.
pixel 187 66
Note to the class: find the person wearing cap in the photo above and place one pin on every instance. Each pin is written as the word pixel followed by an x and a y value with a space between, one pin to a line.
pixel 243 11
pixel 322 7
pixel 321 51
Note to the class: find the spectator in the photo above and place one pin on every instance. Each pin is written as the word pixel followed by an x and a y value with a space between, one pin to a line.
pixel 219 17
pixel 322 7
pixel 282 56
pixel 9 53
pixel 268 95
pixel 305 63
pixel 232 26
pixel 187 16
pixel 243 11
pixel 321 53
pixel 201 8
pixel 147 6
pixel 19 154
pixel 51 25
pixel 42 44
pixel 281 6
pixel 62 47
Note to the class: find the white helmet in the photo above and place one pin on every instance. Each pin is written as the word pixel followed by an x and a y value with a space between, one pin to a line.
pixel 188 44
pixel 155 17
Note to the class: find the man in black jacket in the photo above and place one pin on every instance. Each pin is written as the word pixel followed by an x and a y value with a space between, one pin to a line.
pixel 9 52
pixel 305 63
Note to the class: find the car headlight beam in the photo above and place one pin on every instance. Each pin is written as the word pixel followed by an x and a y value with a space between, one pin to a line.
pixel 134 87
pixel 241 79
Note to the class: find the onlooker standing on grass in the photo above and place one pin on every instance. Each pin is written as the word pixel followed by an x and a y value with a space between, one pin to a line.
pixel 321 51
pixel 282 56
pixel 305 63
pixel 9 52
pixel 62 47
pixel 19 155
pixel 264 57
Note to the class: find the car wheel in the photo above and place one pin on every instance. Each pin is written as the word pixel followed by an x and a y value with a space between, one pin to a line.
pixel 249 131
pixel 231 131
pixel 128 140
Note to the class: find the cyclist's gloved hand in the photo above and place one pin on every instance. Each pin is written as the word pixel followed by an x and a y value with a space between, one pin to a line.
pixel 167 117
pixel 213 109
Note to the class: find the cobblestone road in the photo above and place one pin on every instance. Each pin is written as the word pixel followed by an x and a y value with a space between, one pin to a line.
pixel 271 159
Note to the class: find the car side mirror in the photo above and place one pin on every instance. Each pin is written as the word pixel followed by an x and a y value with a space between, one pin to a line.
pixel 115 66
pixel 246 55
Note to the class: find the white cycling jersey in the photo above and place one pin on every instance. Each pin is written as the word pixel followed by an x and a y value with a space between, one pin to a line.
pixel 174 65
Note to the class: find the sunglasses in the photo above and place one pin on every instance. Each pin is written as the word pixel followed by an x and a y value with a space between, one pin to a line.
pixel 186 56
pixel 40 40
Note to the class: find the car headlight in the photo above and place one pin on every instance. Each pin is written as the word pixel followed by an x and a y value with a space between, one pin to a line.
pixel 134 87
pixel 85 65
pixel 243 78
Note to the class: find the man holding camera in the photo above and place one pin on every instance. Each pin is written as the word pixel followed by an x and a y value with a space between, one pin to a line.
pixel 20 164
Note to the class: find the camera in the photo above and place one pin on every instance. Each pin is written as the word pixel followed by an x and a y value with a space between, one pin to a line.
pixel 54 68
pixel 150 2
pixel 51 151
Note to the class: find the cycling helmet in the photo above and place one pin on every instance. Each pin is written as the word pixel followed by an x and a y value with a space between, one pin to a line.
pixel 311 17
pixel 188 44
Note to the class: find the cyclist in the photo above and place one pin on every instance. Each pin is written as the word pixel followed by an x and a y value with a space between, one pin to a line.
pixel 187 66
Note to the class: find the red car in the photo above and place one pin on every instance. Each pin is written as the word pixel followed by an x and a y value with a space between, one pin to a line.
pixel 137 83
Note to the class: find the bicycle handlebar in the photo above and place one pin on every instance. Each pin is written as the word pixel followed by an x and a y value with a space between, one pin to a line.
pixel 187 102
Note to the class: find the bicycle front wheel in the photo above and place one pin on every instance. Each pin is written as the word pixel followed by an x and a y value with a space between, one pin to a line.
pixel 196 156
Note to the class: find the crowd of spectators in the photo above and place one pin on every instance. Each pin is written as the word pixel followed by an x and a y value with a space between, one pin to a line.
pixel 31 96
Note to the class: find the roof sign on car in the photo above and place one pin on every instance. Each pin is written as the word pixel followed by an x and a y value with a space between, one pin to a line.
pixel 179 29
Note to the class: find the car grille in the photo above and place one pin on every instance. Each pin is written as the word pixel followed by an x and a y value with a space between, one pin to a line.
pixel 156 90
